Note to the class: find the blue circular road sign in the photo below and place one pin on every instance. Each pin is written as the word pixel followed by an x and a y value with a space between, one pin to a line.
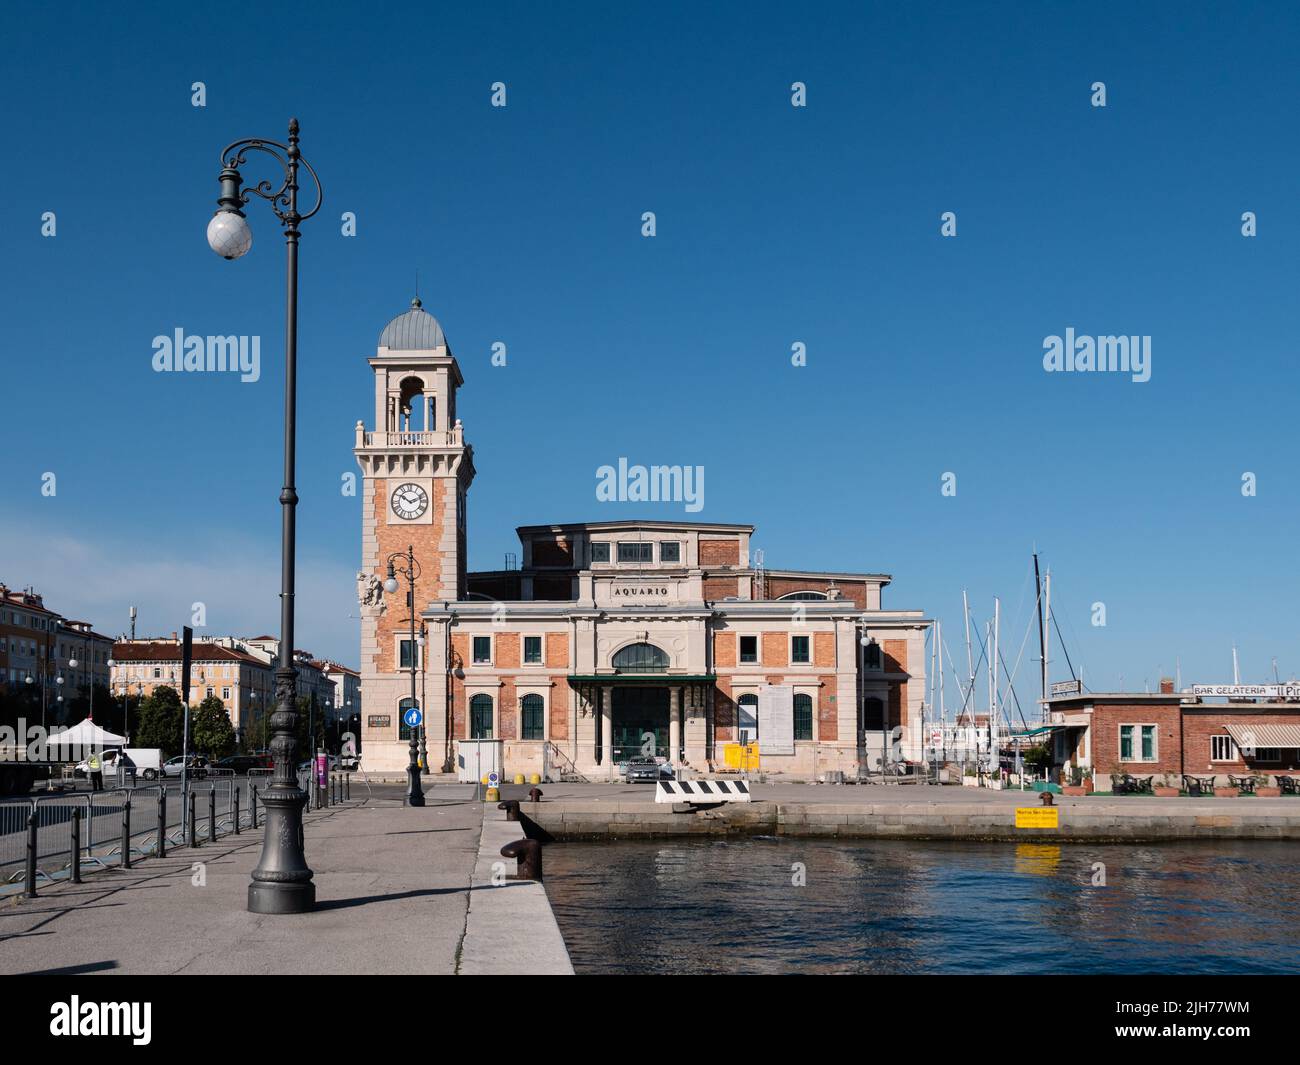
pixel 412 717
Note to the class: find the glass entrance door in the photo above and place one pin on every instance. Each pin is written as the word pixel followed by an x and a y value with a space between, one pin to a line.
pixel 640 722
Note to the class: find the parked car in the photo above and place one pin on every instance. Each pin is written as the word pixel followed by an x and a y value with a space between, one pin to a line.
pixel 242 763
pixel 198 767
pixel 642 769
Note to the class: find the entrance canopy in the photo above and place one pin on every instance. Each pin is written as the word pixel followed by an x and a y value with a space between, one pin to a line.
pixel 666 679
pixel 86 734
pixel 1254 736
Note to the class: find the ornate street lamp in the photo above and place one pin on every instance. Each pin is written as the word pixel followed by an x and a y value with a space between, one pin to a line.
pixel 282 881
pixel 410 569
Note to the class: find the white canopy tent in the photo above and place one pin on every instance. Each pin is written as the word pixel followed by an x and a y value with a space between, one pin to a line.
pixel 86 735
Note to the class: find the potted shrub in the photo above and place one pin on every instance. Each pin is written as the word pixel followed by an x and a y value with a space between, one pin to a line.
pixel 1165 788
pixel 1265 790
pixel 1080 782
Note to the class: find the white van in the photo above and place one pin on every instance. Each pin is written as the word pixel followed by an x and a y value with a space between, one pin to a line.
pixel 145 761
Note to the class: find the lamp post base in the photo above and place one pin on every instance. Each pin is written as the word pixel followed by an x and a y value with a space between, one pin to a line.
pixel 282 881
pixel 414 793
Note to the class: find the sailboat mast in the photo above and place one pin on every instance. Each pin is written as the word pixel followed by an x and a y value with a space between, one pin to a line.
pixel 970 662
pixel 1042 641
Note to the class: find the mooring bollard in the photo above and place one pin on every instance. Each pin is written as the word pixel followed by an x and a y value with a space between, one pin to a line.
pixel 126 834
pixel 194 837
pixel 234 797
pixel 252 805
pixel 160 849
pixel 212 813
pixel 511 807
pixel 535 794
pixel 528 853
pixel 76 845
pixel 1046 798
pixel 29 891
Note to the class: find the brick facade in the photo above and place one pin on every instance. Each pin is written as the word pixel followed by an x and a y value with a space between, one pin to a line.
pixel 719 552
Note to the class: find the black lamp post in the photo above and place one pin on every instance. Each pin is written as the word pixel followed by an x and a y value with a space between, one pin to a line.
pixel 405 564
pixel 282 881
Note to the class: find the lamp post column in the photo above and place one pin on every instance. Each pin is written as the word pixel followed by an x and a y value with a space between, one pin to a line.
pixel 282 881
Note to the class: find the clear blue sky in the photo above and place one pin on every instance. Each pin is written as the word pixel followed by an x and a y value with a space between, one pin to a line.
pixel 775 225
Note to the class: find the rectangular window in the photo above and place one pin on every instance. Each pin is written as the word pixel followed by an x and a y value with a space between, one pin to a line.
pixel 404 655
pixel 482 650
pixel 670 551
pixel 532 651
pixel 599 551
pixel 871 656
pixel 635 551
pixel 157 672
pixel 1267 754
pixel 749 648
pixel 1148 743
pixel 799 650
pixel 225 695
pixel 1137 743
pixel 1222 749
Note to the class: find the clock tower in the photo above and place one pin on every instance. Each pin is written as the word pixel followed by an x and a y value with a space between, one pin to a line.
pixel 416 471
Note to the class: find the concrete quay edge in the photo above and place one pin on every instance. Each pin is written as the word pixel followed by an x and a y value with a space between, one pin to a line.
pixel 572 820
pixel 509 927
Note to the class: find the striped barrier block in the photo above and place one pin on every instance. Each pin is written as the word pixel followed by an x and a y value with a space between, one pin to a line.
pixel 702 791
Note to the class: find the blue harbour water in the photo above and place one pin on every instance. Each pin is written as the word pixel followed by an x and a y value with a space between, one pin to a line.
pixel 695 906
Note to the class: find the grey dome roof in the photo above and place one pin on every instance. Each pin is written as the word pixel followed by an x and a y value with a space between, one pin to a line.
pixel 416 330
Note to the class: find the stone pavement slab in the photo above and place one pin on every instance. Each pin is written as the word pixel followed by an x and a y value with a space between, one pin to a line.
pixel 392 888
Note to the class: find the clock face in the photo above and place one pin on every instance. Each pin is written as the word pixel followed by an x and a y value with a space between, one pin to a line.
pixel 410 501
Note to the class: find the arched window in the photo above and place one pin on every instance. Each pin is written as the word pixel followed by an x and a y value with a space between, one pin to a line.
pixel 640 658
pixel 480 717
pixel 748 718
pixel 806 596
pixel 403 729
pixel 803 725
pixel 533 722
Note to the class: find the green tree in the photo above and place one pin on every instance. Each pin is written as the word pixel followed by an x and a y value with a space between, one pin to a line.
pixel 211 732
pixel 159 722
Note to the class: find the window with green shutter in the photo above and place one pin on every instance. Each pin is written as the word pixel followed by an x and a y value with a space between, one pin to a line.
pixel 480 717
pixel 803 720
pixel 534 727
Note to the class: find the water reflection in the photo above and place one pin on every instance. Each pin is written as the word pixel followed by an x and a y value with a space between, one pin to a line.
pixel 788 905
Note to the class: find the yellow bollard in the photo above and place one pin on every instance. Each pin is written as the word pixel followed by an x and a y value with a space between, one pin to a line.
pixel 484 780
pixel 519 778
pixel 536 778
pixel 492 795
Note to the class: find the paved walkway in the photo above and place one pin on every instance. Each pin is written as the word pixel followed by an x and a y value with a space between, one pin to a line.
pixel 392 885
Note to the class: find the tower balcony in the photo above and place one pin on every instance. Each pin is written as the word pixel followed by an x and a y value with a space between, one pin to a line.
pixel 391 441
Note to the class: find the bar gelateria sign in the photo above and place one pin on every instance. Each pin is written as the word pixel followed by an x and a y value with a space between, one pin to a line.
pixel 1248 691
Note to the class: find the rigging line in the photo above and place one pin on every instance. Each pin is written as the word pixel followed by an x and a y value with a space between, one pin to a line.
pixel 961 684
pixel 1015 697
pixel 1061 640
pixel 1011 676
pixel 971 691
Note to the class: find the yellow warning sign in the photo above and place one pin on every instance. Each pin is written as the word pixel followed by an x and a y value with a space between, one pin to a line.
pixel 1038 817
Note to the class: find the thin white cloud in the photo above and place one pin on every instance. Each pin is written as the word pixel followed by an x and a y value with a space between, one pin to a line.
pixel 237 581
